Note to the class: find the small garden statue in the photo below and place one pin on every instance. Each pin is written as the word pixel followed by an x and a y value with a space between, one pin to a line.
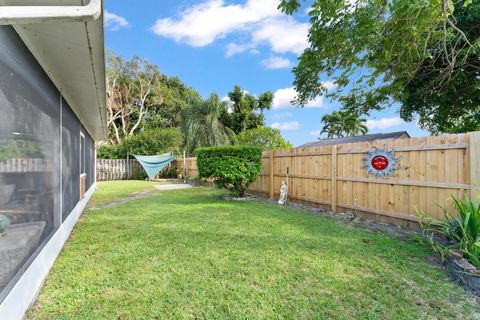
pixel 283 193
pixel 4 223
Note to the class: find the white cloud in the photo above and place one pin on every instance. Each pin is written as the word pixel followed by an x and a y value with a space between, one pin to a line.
pixel 262 22
pixel 329 85
pixel 235 48
pixel 384 123
pixel 229 103
pixel 282 115
pixel 294 125
pixel 203 23
pixel 115 22
pixel 283 34
pixel 283 97
pixel 276 63
pixel 315 133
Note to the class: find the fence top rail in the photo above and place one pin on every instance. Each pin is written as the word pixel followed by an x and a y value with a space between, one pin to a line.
pixel 444 142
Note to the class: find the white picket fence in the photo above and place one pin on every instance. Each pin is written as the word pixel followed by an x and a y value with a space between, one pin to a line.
pixel 25 165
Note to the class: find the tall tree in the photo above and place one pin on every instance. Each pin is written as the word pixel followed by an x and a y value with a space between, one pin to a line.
pixel 246 111
pixel 377 51
pixel 176 97
pixel 130 92
pixel 140 98
pixel 264 137
pixel 343 124
pixel 332 125
pixel 453 104
pixel 201 125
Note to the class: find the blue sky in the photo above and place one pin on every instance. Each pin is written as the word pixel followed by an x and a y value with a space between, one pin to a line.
pixel 213 45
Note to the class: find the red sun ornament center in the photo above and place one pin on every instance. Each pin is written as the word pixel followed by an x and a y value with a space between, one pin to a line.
pixel 380 163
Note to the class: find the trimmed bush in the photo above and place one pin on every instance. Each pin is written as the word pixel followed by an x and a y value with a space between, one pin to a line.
pixel 264 137
pixel 231 167
pixel 149 142
pixel 10 149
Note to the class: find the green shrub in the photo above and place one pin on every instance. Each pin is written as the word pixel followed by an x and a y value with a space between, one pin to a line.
pixel 232 167
pixel 264 137
pixel 112 151
pixel 138 173
pixel 155 141
pixel 10 149
pixel 149 142
pixel 463 230
pixel 169 172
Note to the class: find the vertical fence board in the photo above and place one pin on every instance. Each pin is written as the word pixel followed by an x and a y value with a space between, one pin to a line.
pixel 121 169
pixel 474 164
pixel 333 176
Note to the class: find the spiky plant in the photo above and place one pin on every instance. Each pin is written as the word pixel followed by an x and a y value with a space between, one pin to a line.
pixel 463 229
pixel 201 125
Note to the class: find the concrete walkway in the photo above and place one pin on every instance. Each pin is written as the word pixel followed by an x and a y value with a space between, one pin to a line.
pixel 172 186
pixel 141 195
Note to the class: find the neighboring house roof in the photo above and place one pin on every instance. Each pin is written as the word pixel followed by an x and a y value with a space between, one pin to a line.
pixel 73 56
pixel 364 138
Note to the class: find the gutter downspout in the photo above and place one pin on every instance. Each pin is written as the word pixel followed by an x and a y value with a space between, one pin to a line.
pixel 37 14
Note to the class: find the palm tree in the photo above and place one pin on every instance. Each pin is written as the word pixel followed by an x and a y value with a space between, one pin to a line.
pixel 201 125
pixel 341 124
pixel 355 125
pixel 332 125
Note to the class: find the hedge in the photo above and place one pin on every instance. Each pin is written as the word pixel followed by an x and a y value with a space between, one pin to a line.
pixel 231 167
pixel 149 142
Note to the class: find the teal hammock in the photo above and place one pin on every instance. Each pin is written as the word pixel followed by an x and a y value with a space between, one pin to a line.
pixel 154 164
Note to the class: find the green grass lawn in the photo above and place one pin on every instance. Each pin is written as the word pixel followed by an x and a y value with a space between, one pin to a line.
pixel 111 190
pixel 188 254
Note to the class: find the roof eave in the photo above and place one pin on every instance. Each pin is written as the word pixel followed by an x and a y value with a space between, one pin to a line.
pixel 73 56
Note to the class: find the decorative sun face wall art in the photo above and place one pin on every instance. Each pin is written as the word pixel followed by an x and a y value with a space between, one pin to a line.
pixel 381 162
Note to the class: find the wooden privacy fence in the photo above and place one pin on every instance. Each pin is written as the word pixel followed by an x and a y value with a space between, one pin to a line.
pixel 25 165
pixel 122 169
pixel 333 177
pixel 191 167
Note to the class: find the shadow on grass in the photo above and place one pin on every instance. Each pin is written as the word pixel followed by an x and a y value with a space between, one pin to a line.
pixel 189 254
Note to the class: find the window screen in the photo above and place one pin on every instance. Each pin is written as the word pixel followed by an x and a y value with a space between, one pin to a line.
pixel 83 151
pixel 89 163
pixel 93 160
pixel 70 160
pixel 29 161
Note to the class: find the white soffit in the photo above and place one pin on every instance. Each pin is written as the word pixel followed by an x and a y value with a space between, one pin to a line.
pixel 73 55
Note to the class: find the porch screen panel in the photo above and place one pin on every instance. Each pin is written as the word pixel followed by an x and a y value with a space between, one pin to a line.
pixel 70 160
pixel 29 161
pixel 87 160
pixel 90 161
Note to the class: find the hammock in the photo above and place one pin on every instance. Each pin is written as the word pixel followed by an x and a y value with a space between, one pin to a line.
pixel 154 164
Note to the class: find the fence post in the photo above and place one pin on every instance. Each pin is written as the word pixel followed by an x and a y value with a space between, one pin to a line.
pixel 128 167
pixel 272 160
pixel 184 166
pixel 334 178
pixel 475 164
